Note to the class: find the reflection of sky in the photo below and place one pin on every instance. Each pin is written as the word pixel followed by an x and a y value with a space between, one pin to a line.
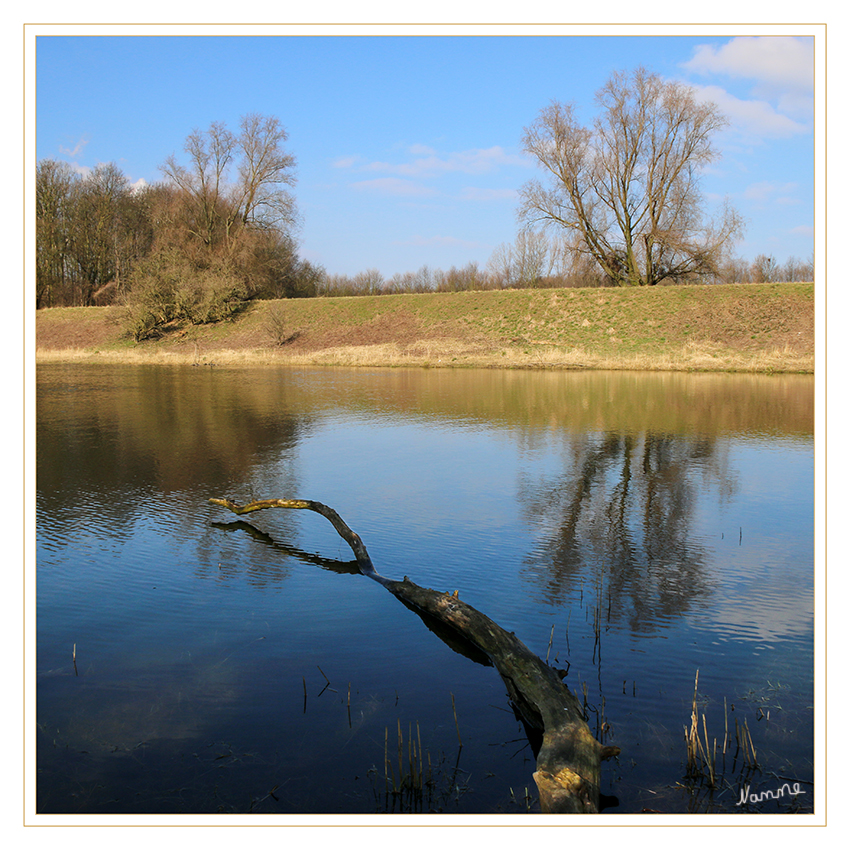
pixel 433 500
pixel 429 475
pixel 763 540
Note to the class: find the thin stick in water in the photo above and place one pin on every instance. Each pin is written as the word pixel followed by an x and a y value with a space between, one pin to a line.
pixel 454 711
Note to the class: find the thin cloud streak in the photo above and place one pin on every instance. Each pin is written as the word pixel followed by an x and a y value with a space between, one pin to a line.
pixel 393 186
pixel 767 192
pixel 474 193
pixel 453 241
pixel 475 161
pixel 76 150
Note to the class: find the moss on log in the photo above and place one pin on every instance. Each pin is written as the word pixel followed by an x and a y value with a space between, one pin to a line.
pixel 569 758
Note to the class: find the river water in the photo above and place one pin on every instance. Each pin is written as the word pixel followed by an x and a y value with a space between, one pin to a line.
pixel 634 529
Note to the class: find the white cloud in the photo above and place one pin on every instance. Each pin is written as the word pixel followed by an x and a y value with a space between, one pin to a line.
pixel 83 170
pixel 345 162
pixel 421 150
pixel 780 72
pixel 755 117
pixel 775 62
pixel 803 230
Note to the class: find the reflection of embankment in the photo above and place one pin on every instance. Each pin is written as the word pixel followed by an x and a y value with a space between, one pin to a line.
pixel 576 401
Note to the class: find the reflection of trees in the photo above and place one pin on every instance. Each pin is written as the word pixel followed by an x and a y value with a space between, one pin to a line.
pixel 110 438
pixel 619 521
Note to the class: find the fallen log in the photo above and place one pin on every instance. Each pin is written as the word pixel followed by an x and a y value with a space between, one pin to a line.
pixel 569 757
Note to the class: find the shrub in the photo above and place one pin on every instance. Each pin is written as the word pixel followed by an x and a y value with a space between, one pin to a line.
pixel 208 296
pixel 167 287
pixel 278 327
pixel 151 302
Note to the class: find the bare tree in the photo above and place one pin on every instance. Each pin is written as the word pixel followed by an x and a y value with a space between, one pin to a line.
pixel 465 279
pixel 90 230
pixel 764 269
pixel 529 262
pixel 627 189
pixel 204 181
pixel 108 230
pixel 796 269
pixel 257 196
pixel 500 265
pixel 264 173
pixel 572 267
pixel 369 282
pixel 532 259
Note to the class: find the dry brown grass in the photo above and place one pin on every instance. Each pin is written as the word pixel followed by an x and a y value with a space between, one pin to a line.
pixel 690 358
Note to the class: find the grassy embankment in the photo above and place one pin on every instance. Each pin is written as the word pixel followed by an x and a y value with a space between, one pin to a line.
pixel 748 327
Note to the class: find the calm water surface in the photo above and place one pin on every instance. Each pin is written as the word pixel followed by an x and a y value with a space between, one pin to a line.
pixel 632 528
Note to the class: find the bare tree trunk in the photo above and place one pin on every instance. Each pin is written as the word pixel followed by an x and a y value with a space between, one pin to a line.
pixel 569 758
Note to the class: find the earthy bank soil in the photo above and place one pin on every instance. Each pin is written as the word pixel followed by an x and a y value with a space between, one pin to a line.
pixel 750 327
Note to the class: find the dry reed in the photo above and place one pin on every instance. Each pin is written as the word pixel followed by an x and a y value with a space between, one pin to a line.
pixel 702 756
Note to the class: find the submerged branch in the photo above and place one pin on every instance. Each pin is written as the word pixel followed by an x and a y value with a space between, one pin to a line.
pixel 569 758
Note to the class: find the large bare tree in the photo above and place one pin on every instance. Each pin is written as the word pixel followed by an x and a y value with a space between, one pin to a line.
pixel 626 189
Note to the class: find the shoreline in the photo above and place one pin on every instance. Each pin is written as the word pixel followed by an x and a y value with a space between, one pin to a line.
pixel 693 360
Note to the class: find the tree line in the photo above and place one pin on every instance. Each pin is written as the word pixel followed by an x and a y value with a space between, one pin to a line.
pixel 216 232
pixel 619 204
pixel 514 266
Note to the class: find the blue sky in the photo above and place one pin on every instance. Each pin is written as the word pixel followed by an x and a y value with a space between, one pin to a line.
pixel 408 147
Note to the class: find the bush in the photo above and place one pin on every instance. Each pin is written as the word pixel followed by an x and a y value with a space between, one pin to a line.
pixel 278 327
pixel 166 287
pixel 209 296
pixel 151 302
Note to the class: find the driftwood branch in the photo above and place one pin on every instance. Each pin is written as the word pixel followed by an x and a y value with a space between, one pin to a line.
pixel 569 758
